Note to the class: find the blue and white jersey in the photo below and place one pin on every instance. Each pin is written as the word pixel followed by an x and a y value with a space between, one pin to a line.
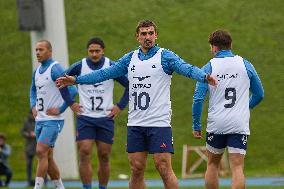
pixel 228 110
pixel 230 102
pixel 47 94
pixel 169 62
pixel 96 99
pixel 149 92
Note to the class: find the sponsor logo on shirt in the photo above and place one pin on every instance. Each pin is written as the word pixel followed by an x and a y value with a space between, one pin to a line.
pixel 96 85
pixel 142 78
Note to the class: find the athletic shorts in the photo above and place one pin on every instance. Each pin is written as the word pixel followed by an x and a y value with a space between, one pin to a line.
pixel 101 129
pixel 47 131
pixel 149 139
pixel 236 143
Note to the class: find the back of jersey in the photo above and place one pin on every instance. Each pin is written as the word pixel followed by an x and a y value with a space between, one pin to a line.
pixel 228 110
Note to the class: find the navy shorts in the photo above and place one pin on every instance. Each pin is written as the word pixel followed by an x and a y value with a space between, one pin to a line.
pixel 101 129
pixel 236 143
pixel 150 139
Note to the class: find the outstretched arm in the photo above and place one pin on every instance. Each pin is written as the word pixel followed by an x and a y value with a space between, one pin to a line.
pixel 173 63
pixel 197 105
pixel 67 93
pixel 117 70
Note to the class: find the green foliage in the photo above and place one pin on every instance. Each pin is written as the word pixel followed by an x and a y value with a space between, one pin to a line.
pixel 258 34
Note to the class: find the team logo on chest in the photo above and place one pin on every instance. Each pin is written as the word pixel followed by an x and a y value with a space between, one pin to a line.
pixel 133 68
pixel 96 85
pixel 39 87
pixel 142 78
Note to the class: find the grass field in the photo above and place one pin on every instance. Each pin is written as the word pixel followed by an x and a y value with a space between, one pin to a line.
pixel 257 28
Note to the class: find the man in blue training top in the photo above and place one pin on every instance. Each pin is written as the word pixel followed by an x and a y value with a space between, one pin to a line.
pixel 149 69
pixel 228 111
pixel 45 98
pixel 95 122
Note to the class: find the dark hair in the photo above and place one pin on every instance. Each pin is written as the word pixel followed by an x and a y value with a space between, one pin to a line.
pixel 146 23
pixel 96 40
pixel 48 44
pixel 3 136
pixel 221 38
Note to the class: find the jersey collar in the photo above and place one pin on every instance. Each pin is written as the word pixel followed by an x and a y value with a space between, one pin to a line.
pixel 152 51
pixel 224 53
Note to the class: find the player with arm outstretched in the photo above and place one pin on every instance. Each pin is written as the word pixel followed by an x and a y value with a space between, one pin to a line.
pixel 149 70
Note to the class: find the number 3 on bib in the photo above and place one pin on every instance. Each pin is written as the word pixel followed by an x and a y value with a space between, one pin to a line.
pixel 141 100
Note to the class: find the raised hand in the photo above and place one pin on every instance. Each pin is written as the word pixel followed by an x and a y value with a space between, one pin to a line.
pixel 211 80
pixel 65 81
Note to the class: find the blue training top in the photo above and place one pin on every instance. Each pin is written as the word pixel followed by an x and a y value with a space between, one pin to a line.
pixel 202 88
pixel 170 63
pixel 75 70
pixel 67 93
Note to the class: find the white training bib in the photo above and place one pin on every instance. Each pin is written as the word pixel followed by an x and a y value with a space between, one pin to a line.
pixel 149 92
pixel 96 99
pixel 48 95
pixel 228 110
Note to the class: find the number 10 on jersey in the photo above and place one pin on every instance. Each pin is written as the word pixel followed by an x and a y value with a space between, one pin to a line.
pixel 141 100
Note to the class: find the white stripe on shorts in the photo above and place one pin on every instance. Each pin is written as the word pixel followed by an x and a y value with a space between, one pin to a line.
pixel 214 150
pixel 233 150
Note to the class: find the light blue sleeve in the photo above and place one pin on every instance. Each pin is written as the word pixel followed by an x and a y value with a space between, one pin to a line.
pixel 73 92
pixel 120 68
pixel 256 88
pixel 172 62
pixel 57 71
pixel 198 99
pixel 68 94
pixel 33 92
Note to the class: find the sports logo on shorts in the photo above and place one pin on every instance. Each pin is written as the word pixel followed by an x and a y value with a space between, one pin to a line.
pixel 210 137
pixel 244 139
pixel 163 145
